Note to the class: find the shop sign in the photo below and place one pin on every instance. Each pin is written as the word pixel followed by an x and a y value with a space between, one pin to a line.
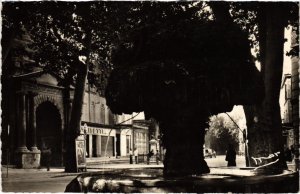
pixel 80 154
pixel 96 131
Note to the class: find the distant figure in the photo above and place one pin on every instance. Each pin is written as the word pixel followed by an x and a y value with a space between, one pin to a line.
pixel 293 151
pixel 149 155
pixel 230 156
pixel 206 153
pixel 214 153
pixel 157 157
pixel 46 151
pixel 288 154
pixel 136 153
pixel 130 156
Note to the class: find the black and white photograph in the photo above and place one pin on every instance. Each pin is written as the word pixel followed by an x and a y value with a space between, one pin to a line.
pixel 150 96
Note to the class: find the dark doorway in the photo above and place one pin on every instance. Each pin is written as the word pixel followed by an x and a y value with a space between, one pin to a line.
pixel 49 132
pixel 87 145
pixel 94 144
pixel 118 146
pixel 128 144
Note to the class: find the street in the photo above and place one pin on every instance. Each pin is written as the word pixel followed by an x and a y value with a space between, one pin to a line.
pixel 55 180
pixel 220 161
pixel 35 180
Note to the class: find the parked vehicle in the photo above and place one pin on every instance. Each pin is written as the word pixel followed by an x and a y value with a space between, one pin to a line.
pixel 209 153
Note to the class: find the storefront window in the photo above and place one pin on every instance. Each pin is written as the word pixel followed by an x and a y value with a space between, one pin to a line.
pixel 108 144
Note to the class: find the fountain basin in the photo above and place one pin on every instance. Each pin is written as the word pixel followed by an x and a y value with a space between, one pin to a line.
pixel 151 180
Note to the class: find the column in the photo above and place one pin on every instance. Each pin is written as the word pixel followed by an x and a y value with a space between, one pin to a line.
pixel 32 121
pixel 22 124
pixel 90 145
pixel 67 110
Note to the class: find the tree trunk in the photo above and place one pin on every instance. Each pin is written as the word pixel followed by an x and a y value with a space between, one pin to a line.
pixel 183 137
pixel 263 120
pixel 76 112
pixel 75 121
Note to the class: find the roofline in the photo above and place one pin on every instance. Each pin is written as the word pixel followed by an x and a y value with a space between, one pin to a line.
pixel 28 74
pixel 90 124
pixel 285 77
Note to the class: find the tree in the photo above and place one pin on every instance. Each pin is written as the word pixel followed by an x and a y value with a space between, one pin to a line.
pixel 63 32
pixel 221 132
pixel 265 131
pixel 265 136
pixel 165 58
pixel 171 72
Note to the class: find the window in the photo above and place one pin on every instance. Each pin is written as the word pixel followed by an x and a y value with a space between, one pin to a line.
pixel 93 112
pixel 102 114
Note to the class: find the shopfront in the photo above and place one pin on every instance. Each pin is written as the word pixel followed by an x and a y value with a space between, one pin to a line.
pixel 113 141
pixel 126 142
pixel 100 141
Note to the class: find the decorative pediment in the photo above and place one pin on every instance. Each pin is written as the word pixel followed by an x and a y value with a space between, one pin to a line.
pixel 47 79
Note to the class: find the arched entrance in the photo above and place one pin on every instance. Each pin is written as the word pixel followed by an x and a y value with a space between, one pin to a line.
pixel 49 132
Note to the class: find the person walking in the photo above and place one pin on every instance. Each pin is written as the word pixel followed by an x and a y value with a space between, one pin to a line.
pixel 130 156
pixel 136 153
pixel 230 156
pixel 46 151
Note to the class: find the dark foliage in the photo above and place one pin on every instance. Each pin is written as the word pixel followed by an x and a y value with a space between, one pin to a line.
pixel 184 63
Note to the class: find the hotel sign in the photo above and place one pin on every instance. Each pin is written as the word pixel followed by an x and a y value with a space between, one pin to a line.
pixel 97 131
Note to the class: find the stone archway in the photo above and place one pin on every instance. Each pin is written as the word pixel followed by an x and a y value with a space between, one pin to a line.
pixel 49 130
pixel 57 102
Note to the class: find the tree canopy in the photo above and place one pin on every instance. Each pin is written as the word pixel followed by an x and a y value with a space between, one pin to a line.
pixel 194 61
pixel 221 132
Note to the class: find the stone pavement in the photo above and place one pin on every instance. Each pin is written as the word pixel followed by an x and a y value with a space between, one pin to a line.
pixel 55 180
pixel 35 180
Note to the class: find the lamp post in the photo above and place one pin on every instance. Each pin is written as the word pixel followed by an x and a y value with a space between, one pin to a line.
pixel 245 139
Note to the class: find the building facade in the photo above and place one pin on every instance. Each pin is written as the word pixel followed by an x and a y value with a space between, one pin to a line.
pixel 286 110
pixel 289 95
pixel 37 114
